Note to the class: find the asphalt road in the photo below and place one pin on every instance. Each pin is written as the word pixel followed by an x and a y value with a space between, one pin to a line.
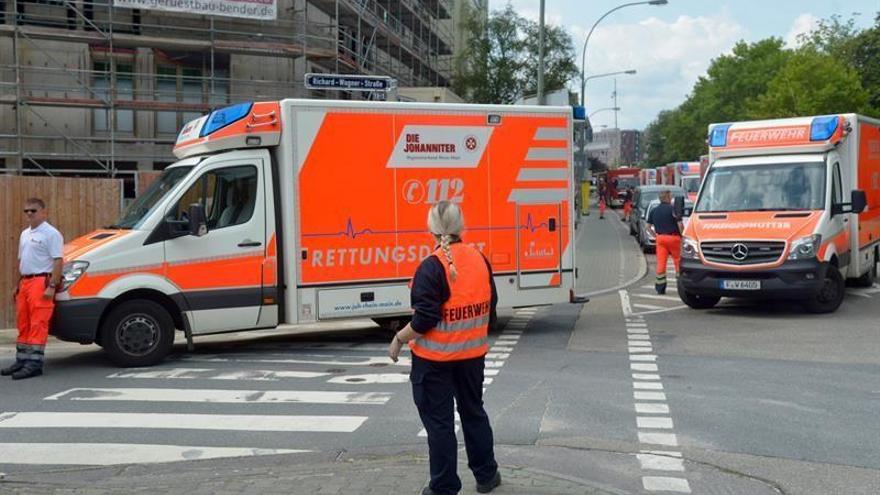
pixel 632 392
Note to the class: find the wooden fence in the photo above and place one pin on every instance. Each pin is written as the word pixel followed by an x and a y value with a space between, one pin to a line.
pixel 76 207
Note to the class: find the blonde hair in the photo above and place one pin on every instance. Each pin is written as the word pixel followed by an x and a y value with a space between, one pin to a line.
pixel 446 222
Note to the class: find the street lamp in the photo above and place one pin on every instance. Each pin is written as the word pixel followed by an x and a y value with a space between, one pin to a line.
pixel 606 109
pixel 587 40
pixel 596 76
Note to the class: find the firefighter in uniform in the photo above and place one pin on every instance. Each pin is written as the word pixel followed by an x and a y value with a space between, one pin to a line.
pixel 39 252
pixel 453 298
pixel 667 231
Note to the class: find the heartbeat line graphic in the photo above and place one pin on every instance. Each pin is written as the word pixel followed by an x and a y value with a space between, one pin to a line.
pixel 353 233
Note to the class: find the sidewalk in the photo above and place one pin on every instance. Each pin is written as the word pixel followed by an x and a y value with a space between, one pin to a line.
pixel 608 257
pixel 402 473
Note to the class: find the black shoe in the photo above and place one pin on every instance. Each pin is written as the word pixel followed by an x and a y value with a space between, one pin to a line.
pixel 660 289
pixel 27 373
pixel 12 368
pixel 490 485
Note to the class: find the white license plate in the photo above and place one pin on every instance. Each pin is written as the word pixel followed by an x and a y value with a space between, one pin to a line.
pixel 741 284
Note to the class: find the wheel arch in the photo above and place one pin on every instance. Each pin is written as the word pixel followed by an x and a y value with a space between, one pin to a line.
pixel 160 298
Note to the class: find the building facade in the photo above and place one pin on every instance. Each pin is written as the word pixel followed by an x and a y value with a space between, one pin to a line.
pixel 617 147
pixel 88 87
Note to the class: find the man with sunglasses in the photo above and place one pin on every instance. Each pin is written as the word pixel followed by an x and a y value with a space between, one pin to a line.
pixel 40 250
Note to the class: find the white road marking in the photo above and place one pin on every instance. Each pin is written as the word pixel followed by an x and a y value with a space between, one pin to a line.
pixel 513 338
pixel 638 336
pixel 647 306
pixel 639 395
pixel 232 422
pixel 653 422
pixel 214 374
pixel 487 380
pixel 497 355
pixel 321 360
pixel 643 366
pixel 370 378
pixel 494 364
pixel 854 292
pixel 645 376
pixel 639 343
pixel 664 310
pixel 624 303
pixel 490 372
pixel 637 331
pixel 665 484
pixel 667 453
pixel 499 348
pixel 650 408
pixel 655 462
pixel 643 357
pixel 636 324
pixel 634 350
pixel 108 454
pixel 659 297
pixel 668 439
pixel 221 396
pixel 647 386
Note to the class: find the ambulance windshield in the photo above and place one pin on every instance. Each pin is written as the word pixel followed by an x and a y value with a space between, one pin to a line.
pixel 144 203
pixel 764 187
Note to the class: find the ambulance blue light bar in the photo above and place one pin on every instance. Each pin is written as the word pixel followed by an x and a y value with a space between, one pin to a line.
pixel 718 136
pixel 823 128
pixel 225 116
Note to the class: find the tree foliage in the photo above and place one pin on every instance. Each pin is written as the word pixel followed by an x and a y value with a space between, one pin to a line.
pixel 835 69
pixel 499 64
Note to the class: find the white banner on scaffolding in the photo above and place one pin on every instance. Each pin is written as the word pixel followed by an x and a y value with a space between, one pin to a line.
pixel 250 9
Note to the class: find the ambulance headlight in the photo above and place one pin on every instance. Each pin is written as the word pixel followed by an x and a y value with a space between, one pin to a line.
pixel 71 272
pixel 689 248
pixel 805 247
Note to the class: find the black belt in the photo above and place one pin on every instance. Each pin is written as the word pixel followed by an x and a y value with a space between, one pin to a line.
pixel 35 275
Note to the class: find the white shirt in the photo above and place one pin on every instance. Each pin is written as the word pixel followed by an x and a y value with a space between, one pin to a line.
pixel 38 248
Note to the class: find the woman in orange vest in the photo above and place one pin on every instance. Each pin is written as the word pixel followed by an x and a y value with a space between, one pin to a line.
pixel 453 298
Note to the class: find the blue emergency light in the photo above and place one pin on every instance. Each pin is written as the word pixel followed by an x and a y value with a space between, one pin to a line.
pixel 578 112
pixel 823 128
pixel 225 116
pixel 718 135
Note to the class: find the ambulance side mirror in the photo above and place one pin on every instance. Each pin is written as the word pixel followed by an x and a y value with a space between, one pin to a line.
pixel 198 224
pixel 859 201
pixel 678 207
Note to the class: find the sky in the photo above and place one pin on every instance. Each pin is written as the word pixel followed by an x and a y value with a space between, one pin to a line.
pixel 671 46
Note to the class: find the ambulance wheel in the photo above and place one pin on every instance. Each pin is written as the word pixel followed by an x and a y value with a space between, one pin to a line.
pixel 139 332
pixel 391 324
pixel 830 295
pixel 696 301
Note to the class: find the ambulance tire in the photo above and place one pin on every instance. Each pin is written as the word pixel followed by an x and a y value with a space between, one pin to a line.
pixel 830 296
pixel 695 301
pixel 137 333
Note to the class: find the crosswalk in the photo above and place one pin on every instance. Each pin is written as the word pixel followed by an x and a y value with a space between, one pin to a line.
pixel 262 398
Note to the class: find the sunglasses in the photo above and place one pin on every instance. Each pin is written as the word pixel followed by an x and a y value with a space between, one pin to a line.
pixel 30 210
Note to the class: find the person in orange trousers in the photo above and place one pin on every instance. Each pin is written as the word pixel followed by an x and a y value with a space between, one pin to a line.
pixel 627 204
pixel 667 232
pixel 601 207
pixel 40 259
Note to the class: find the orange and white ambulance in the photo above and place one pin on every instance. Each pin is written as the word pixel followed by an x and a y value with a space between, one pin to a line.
pixel 298 211
pixel 789 209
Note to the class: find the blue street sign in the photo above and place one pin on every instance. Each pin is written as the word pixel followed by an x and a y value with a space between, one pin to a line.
pixel 345 82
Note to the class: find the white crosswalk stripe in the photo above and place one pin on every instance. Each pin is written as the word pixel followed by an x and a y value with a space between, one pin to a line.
pixel 108 454
pixel 221 396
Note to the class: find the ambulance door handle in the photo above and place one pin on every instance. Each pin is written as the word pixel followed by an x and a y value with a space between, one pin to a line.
pixel 249 243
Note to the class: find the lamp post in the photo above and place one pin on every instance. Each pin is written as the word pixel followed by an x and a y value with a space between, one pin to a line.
pixel 608 74
pixel 606 109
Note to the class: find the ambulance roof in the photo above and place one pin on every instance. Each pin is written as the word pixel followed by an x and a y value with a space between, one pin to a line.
pixel 800 134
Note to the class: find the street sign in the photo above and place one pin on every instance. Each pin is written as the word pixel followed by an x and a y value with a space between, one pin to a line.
pixel 345 82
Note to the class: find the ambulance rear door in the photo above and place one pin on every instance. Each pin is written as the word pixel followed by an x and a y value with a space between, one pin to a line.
pixel 539 245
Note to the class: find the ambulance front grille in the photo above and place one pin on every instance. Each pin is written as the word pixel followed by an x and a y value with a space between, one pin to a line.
pixel 742 252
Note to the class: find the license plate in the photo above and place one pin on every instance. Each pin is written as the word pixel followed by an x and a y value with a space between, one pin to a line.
pixel 741 284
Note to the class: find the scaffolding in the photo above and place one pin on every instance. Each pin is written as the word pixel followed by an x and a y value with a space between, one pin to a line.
pixel 87 88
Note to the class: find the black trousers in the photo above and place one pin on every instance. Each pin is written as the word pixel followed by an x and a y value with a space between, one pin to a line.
pixel 435 384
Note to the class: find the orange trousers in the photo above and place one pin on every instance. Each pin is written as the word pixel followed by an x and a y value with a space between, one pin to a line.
pixel 601 208
pixel 34 314
pixel 667 245
pixel 627 208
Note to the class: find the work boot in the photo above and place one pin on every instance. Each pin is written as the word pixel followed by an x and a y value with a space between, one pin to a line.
pixel 17 365
pixel 27 371
pixel 489 485
pixel 660 288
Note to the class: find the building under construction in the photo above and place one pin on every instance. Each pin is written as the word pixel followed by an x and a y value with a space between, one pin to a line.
pixel 94 88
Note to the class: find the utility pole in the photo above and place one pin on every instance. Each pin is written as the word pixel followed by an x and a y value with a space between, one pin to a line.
pixel 616 108
pixel 541 56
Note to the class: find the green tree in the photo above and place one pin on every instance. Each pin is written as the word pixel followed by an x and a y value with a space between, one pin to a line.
pixel 499 63
pixel 866 61
pixel 810 83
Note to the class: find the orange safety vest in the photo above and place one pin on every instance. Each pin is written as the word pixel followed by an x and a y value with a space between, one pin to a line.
pixel 462 332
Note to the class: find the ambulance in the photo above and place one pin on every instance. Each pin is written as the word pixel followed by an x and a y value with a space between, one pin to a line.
pixel 302 211
pixel 789 209
pixel 687 176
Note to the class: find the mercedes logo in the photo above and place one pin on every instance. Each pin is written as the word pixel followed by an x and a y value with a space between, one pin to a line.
pixel 739 251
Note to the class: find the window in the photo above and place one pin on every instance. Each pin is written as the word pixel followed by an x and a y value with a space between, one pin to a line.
pixel 229 196
pixel 836 186
pixel 101 86
pixel 184 77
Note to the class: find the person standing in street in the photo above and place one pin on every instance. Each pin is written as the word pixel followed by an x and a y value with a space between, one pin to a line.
pixel 453 298
pixel 667 231
pixel 40 250
pixel 627 203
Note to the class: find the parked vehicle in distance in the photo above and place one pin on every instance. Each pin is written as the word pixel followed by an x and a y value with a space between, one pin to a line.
pixel 618 180
pixel 644 197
